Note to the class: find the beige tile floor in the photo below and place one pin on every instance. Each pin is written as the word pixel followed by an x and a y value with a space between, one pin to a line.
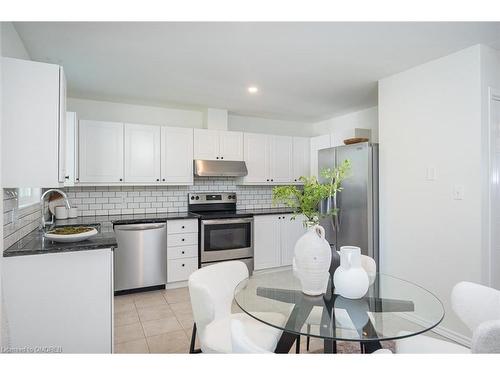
pixel 162 322
pixel 153 322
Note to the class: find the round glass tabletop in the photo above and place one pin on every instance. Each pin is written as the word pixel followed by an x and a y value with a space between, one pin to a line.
pixel 392 308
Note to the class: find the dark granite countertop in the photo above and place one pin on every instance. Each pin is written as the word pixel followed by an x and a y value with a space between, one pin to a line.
pixel 34 242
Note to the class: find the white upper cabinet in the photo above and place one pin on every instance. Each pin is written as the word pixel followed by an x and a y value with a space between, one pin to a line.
pixel 230 145
pixel 33 124
pixel 256 156
pixel 142 153
pixel 177 155
pixel 100 152
pixel 301 157
pixel 62 128
pixel 281 159
pixel 269 159
pixel 206 144
pixel 318 143
pixel 71 147
pixel 218 145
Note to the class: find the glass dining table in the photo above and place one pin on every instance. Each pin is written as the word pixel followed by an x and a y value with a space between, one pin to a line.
pixel 392 309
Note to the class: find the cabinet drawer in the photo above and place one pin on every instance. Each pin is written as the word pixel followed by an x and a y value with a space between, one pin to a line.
pixel 182 239
pixel 180 269
pixel 182 252
pixel 182 226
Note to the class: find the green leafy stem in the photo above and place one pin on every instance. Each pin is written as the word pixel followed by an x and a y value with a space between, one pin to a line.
pixel 306 199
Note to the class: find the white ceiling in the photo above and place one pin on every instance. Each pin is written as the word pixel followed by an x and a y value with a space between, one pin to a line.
pixel 305 71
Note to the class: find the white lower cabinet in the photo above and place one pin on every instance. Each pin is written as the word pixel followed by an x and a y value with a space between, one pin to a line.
pixel 274 240
pixel 180 269
pixel 62 300
pixel 182 249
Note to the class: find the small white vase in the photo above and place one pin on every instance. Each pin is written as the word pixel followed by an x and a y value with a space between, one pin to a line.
pixel 311 261
pixel 350 279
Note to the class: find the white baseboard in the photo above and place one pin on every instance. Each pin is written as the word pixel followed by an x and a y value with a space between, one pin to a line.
pixel 176 285
pixel 439 330
pixel 452 335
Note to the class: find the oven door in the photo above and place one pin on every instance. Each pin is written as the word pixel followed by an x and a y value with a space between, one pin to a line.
pixel 225 239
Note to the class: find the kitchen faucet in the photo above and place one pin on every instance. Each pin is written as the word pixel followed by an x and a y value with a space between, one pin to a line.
pixel 42 203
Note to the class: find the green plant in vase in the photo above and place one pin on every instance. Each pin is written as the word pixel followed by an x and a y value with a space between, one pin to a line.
pixel 305 200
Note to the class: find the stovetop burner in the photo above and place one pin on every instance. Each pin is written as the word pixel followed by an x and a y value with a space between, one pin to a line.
pixel 214 205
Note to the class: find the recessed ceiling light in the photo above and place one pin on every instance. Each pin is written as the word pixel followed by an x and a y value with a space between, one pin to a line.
pixel 253 89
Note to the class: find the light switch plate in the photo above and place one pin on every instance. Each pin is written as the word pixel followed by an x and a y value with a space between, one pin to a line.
pixel 458 192
pixel 431 173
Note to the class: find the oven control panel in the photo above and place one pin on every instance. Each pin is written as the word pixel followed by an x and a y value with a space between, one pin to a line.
pixel 207 198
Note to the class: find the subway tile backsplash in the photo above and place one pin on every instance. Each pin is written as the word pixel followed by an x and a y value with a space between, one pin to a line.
pixel 116 200
pixel 122 200
pixel 17 222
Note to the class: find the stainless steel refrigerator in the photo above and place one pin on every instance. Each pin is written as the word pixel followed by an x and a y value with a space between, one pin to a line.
pixel 357 221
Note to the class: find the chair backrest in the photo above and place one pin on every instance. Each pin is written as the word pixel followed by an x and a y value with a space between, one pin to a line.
pixel 486 337
pixel 241 343
pixel 211 290
pixel 475 304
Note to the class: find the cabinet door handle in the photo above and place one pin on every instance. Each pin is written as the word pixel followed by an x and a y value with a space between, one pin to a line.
pixel 272 179
pixel 267 179
pixel 66 177
pixel 182 264
pixel 183 239
pixel 157 179
pixel 121 179
pixel 182 227
pixel 222 157
pixel 163 179
pixel 182 252
pixel 217 157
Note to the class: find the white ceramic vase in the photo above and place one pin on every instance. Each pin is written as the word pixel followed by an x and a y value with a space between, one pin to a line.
pixel 350 278
pixel 311 261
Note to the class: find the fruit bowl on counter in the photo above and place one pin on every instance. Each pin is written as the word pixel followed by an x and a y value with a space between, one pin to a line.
pixel 71 233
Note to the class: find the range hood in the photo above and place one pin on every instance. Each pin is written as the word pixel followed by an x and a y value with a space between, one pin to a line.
pixel 220 168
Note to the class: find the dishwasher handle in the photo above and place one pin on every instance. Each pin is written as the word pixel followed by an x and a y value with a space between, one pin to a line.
pixel 139 227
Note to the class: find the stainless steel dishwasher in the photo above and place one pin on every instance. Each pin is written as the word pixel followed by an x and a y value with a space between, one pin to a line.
pixel 140 260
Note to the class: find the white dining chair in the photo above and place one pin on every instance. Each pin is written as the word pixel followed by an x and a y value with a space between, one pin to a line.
pixel 314 318
pixel 242 344
pixel 211 290
pixel 478 307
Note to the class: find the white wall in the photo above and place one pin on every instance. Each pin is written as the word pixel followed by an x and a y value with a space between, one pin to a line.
pixel 490 78
pixel 269 126
pixel 142 114
pixel 430 116
pixel 12 45
pixel 364 119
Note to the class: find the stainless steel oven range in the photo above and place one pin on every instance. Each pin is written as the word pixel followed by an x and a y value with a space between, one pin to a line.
pixel 225 233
